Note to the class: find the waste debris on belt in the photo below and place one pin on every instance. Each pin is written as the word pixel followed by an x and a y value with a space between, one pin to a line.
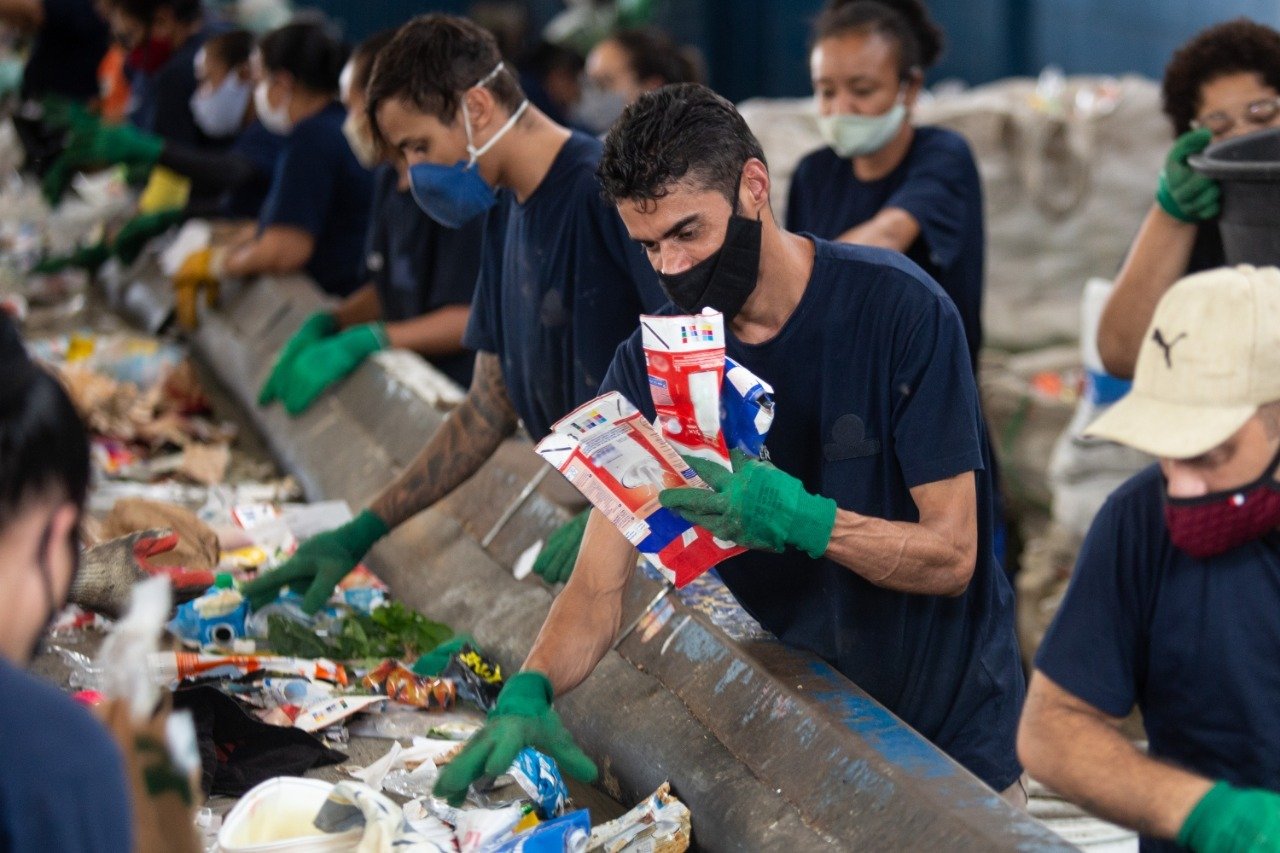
pixel 248 700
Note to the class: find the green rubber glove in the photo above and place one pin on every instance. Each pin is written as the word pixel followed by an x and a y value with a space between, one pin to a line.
pixel 320 563
pixel 1233 820
pixel 131 239
pixel 115 143
pixel 522 717
pixel 555 561
pixel 315 328
pixel 433 662
pixel 325 362
pixel 755 505
pixel 1184 193
pixel 88 258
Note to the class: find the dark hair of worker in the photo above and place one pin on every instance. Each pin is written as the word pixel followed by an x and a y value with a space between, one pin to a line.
pixel 677 133
pixel 44 449
pixel 432 61
pixel 1233 47
pixel 905 23
pixel 144 11
pixel 652 54
pixel 308 52
pixel 232 48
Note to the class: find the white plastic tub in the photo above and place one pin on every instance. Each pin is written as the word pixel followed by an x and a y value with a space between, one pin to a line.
pixel 276 817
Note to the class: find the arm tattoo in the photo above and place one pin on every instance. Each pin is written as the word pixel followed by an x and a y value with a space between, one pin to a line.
pixel 468 437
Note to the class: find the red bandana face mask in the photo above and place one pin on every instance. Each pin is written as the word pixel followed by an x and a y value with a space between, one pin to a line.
pixel 1216 523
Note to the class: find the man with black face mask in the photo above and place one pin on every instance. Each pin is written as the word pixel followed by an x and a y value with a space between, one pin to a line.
pixel 62 781
pixel 1173 602
pixel 871 527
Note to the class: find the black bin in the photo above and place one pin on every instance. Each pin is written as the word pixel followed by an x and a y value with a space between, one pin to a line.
pixel 1248 168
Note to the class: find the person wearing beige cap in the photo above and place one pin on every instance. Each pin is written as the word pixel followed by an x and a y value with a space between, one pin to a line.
pixel 1175 601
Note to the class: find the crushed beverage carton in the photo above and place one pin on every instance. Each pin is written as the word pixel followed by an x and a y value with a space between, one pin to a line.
pixel 614 456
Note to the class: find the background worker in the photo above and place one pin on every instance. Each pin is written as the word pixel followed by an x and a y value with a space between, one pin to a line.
pixel 1223 83
pixel 421 275
pixel 872 537
pixel 560 286
pixel 627 64
pixel 1173 599
pixel 62 780
pixel 881 181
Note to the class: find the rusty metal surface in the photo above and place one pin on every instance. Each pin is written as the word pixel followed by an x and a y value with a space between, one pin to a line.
pixel 770 747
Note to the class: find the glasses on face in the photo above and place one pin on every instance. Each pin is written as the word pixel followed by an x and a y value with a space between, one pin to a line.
pixel 1258 113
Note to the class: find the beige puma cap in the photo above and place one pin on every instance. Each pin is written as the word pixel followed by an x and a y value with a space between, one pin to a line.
pixel 1211 357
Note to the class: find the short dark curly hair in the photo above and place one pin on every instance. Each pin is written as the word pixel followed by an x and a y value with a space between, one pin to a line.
pixel 1232 47
pixel 679 132
pixel 432 61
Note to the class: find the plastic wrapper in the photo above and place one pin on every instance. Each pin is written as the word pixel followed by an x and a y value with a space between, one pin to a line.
pixel 746 409
pixel 482 830
pixel 568 834
pixel 615 457
pixel 171 667
pixel 684 355
pixel 538 775
pixel 400 684
pixel 477 679
pixel 659 824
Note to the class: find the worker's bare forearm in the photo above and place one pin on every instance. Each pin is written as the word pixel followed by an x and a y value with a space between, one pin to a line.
pixel 935 556
pixel 434 334
pixel 467 438
pixel 586 615
pixel 1080 753
pixel 360 307
pixel 891 228
pixel 1158 258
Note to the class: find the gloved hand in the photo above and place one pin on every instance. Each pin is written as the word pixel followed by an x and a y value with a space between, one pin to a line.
pixel 522 717
pixel 112 144
pixel 131 238
pixel 71 116
pixel 88 258
pixel 109 570
pixel 1184 193
pixel 320 563
pixel 317 327
pixel 556 559
pixel 1233 820
pixel 433 662
pixel 325 362
pixel 756 506
pixel 201 271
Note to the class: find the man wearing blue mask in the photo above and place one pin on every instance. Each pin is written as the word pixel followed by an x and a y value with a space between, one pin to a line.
pixel 871 528
pixel 560 285
pixel 1172 606
pixel 881 181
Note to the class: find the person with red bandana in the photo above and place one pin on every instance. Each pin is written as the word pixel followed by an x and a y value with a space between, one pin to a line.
pixel 1173 603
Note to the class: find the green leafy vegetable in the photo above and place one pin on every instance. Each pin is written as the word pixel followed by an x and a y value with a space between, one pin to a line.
pixel 391 631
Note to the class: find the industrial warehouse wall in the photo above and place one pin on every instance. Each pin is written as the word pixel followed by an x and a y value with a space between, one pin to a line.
pixel 757 48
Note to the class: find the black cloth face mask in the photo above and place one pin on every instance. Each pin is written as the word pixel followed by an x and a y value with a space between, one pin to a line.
pixel 725 280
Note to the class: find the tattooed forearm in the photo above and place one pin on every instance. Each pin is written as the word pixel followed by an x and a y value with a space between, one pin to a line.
pixel 467 438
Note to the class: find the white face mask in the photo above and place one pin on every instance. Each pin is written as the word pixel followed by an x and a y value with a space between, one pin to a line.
pixel 360 140
pixel 857 136
pixel 275 119
pixel 219 113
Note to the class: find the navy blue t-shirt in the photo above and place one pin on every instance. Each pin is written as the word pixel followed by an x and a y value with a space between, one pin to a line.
pixel 874 396
pixel 262 148
pixel 1194 643
pixel 937 183
pixel 321 188
pixel 560 286
pixel 66 51
pixel 418 265
pixel 62 779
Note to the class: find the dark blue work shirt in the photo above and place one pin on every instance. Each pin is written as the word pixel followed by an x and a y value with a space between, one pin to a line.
pixel 62 779
pixel 937 183
pixel 418 265
pixel 65 51
pixel 874 396
pixel 561 285
pixel 262 148
pixel 320 188
pixel 1194 643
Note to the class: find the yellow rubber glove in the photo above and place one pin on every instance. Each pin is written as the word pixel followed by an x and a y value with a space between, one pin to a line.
pixel 165 190
pixel 201 271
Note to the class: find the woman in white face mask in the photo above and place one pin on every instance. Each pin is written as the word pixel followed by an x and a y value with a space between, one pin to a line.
pixel 882 181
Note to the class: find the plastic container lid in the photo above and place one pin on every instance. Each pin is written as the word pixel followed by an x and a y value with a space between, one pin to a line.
pixel 276 817
pixel 1252 157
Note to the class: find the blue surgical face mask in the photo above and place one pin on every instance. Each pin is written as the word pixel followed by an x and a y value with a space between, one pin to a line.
pixel 455 195
pixel 219 113
pixel 857 135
